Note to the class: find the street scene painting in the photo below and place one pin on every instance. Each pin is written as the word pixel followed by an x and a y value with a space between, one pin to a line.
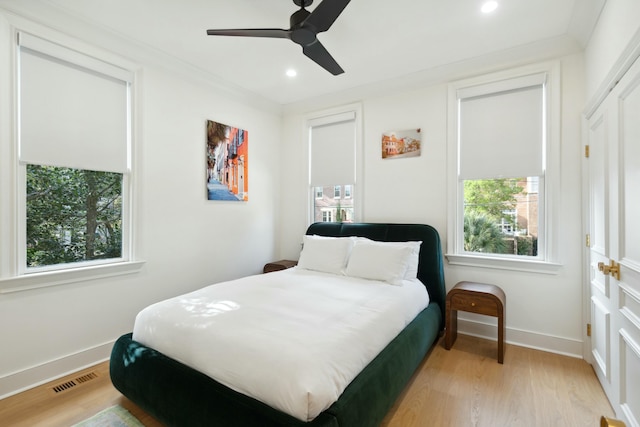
pixel 227 162
pixel 398 144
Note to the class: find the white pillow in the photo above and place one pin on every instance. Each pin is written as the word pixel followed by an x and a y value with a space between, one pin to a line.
pixel 384 261
pixel 414 259
pixel 326 254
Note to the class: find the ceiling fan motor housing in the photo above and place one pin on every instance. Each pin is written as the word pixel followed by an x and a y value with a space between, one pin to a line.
pixel 302 34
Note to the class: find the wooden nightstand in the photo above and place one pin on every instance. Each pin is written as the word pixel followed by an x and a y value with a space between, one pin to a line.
pixel 283 264
pixel 477 298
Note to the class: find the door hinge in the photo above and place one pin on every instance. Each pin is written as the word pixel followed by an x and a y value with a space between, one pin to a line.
pixel 586 151
pixel 588 240
pixel 588 329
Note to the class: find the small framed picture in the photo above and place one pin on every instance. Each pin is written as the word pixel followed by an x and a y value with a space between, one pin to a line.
pixel 400 144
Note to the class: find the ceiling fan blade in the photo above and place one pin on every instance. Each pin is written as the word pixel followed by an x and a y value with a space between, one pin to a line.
pixel 253 32
pixel 325 14
pixel 322 57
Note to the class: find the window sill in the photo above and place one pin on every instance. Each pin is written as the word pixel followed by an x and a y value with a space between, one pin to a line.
pixel 531 266
pixel 62 277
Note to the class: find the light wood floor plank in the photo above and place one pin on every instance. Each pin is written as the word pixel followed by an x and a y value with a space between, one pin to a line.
pixel 462 387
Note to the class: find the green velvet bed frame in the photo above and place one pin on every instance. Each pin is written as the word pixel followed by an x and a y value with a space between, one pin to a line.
pixel 178 395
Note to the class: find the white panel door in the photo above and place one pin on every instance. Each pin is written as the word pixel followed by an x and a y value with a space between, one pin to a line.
pixel 614 251
pixel 627 96
pixel 601 305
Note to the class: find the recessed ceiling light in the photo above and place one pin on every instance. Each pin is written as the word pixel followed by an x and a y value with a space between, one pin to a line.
pixel 489 6
pixel 291 72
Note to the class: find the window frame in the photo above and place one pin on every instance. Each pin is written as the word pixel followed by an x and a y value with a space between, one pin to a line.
pixel 548 183
pixel 14 274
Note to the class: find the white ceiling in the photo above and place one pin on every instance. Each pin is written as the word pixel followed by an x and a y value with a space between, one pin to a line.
pixel 373 40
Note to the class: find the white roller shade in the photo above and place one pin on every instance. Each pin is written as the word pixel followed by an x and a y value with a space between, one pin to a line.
pixel 501 134
pixel 73 109
pixel 333 150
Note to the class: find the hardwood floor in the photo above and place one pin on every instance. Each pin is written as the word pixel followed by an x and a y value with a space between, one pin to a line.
pixel 43 407
pixel 467 387
pixel 461 387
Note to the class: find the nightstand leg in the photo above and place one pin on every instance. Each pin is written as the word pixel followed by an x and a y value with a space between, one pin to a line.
pixel 501 337
pixel 451 328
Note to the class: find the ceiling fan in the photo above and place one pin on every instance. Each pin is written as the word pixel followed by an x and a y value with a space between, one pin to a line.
pixel 305 27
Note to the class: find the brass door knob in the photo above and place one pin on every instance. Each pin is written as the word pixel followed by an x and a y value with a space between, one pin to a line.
pixel 613 268
pixel 604 268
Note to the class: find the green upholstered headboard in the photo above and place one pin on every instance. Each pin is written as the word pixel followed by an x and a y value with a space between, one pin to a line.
pixel 430 267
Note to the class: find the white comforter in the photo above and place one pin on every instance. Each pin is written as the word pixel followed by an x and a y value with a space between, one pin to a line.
pixel 293 339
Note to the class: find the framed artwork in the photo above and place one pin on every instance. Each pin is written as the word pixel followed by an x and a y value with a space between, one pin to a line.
pixel 399 144
pixel 227 162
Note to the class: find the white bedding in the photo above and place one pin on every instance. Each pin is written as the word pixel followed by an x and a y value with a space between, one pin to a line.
pixel 293 339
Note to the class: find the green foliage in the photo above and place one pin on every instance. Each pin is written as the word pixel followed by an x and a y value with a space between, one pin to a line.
pixel 491 197
pixel 527 245
pixel 482 234
pixel 485 204
pixel 72 215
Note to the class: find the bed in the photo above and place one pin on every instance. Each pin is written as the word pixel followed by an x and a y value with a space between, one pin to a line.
pixel 179 395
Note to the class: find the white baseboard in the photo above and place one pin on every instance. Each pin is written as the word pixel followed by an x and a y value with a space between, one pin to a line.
pixel 522 338
pixel 34 376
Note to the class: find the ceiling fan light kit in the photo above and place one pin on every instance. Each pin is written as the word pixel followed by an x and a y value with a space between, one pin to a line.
pixel 304 28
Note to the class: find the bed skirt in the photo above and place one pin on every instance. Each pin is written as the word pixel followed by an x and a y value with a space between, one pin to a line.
pixel 178 395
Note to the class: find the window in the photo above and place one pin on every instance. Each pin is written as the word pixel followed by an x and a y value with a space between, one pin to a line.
pixel 333 146
pixel 327 215
pixel 73 215
pixel 332 209
pixel 501 136
pixel 73 169
pixel 500 217
pixel 73 149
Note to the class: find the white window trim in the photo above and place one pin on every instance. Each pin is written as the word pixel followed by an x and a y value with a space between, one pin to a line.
pixel 72 275
pixel 14 276
pixel 548 223
pixel 358 200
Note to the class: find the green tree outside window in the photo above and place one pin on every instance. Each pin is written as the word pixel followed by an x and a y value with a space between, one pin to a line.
pixel 488 205
pixel 72 215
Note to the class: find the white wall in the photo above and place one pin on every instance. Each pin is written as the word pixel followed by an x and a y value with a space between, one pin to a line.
pixel 619 22
pixel 543 310
pixel 186 241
